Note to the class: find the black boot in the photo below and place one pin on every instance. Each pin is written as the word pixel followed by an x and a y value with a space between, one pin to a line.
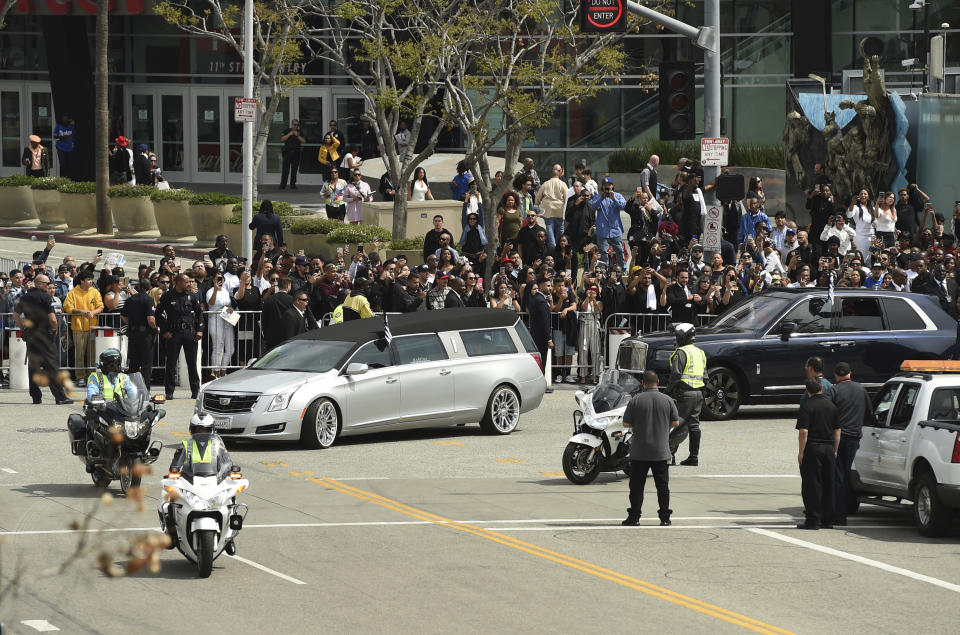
pixel 665 517
pixel 631 519
pixel 694 458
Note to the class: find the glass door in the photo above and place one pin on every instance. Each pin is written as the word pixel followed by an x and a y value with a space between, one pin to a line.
pixel 348 114
pixel 11 139
pixel 41 121
pixel 272 162
pixel 313 123
pixel 209 159
pixel 173 125
pixel 235 143
pixel 142 122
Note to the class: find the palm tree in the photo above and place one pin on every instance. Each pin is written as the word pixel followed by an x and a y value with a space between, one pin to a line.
pixel 104 219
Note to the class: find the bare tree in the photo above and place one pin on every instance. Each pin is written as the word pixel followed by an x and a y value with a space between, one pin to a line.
pixel 277 25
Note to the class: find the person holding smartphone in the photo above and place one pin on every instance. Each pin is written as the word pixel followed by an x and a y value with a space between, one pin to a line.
pixel 356 193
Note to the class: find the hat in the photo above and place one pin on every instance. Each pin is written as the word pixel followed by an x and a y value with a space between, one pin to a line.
pixel 35 139
pixel 506 261
pixel 302 260
pixel 122 141
pixel 144 147
pixel 791 230
pixel 63 267
pixel 876 264
pixel 444 275
pixel 635 269
pixel 841 369
pixel 27 267
pixel 697 248
pixel 605 180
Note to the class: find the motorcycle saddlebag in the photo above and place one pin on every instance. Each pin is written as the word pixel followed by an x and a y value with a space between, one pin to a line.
pixel 77 428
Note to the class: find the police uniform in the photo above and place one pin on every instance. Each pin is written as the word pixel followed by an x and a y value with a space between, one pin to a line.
pixel 687 367
pixel 36 306
pixel 202 454
pixel 180 315
pixel 141 336
pixel 100 383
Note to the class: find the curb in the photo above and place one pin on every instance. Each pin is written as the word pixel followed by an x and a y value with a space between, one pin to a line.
pixel 102 242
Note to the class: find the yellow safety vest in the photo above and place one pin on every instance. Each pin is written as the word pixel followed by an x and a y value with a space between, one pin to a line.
pixel 195 456
pixel 104 382
pixel 337 316
pixel 695 367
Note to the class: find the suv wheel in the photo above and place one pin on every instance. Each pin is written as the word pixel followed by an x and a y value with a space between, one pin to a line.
pixel 929 513
pixel 722 394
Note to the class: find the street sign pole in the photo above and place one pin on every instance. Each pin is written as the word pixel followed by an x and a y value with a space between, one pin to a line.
pixel 246 242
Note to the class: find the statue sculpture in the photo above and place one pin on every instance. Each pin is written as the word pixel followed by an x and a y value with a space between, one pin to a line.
pixel 796 136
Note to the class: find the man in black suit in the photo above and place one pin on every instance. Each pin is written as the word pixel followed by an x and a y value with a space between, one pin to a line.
pixel 274 307
pixel 539 309
pixel 455 297
pixel 677 296
pixel 141 166
pixel 298 319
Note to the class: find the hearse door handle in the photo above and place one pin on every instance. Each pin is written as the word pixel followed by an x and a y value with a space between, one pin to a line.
pixel 445 372
pixel 391 380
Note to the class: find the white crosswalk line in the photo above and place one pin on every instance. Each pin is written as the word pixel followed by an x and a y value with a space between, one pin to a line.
pixel 40 625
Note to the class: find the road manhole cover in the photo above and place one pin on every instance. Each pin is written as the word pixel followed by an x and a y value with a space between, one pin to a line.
pixel 41 430
pixel 740 574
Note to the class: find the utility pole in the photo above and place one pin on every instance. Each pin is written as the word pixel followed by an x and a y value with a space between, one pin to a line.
pixel 246 242
pixel 102 122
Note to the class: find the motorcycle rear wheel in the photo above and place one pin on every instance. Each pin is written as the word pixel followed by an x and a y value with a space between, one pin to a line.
pixel 577 467
pixel 205 553
pixel 100 480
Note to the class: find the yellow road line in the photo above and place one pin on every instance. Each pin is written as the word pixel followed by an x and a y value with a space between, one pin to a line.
pixel 559 558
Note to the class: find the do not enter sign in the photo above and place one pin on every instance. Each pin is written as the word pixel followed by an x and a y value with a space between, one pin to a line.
pixel 603 16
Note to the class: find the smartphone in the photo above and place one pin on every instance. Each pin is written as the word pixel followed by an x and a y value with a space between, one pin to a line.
pixel 99 252
pixel 49 237
pixel 339 251
pixel 153 263
pixel 359 248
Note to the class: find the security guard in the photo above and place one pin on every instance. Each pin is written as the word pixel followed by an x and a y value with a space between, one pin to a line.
pixel 138 314
pixel 108 380
pixel 35 314
pixel 687 367
pixel 181 326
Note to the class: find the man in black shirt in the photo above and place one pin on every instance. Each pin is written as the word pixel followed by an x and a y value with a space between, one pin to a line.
pixel 819 434
pixel 181 325
pixel 292 140
pixel 386 189
pixel 431 242
pixel 271 318
pixel 138 314
pixel 853 409
pixel 36 316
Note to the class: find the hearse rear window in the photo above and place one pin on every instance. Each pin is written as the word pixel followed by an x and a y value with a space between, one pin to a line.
pixel 488 342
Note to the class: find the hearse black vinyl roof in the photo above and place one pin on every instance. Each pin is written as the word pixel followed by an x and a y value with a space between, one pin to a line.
pixel 367 329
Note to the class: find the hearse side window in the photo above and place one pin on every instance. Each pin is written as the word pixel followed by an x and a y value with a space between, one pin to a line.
pixel 528 344
pixel 488 342
pixel 374 354
pixel 860 314
pixel 418 349
pixel 901 316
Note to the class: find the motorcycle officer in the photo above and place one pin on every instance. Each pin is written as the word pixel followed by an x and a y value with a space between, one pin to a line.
pixel 108 379
pixel 687 367
pixel 203 454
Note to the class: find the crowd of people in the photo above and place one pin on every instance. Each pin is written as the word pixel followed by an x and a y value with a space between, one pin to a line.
pixel 566 230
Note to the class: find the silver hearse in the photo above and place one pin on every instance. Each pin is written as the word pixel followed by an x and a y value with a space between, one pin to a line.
pixel 440 368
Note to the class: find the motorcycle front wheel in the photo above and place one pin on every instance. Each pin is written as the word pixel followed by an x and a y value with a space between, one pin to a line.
pixel 100 480
pixel 577 464
pixel 205 553
pixel 128 477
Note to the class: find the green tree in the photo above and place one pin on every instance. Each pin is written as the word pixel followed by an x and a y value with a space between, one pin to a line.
pixel 277 25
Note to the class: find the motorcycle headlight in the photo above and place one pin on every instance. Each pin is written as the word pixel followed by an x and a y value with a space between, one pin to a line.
pixel 190 498
pixel 600 423
pixel 281 400
pixel 132 429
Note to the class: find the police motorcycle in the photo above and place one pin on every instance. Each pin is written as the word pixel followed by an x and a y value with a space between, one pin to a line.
pixel 199 509
pixel 600 443
pixel 112 436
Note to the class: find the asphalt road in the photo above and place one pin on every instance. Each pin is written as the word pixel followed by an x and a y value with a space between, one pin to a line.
pixel 448 530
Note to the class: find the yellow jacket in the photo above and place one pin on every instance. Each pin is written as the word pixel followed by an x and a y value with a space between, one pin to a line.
pixel 329 155
pixel 79 300
pixel 360 304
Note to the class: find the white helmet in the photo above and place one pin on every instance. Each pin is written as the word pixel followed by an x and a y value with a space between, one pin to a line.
pixel 685 333
pixel 201 423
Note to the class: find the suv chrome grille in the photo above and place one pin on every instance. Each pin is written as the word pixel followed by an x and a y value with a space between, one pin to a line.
pixel 229 403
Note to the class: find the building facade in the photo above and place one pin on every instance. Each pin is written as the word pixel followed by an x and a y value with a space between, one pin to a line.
pixel 175 92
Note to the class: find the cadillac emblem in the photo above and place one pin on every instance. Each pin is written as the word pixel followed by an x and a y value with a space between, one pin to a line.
pixel 224 401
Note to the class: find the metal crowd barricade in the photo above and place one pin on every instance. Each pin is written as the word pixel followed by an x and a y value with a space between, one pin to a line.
pixel 229 347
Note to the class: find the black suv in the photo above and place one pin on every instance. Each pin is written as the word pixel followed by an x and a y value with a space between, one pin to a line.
pixel 757 349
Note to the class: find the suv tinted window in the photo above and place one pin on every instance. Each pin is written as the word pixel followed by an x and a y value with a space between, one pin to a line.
pixel 901 316
pixel 417 349
pixel 811 316
pixel 945 405
pixel 488 342
pixel 860 314
pixel 374 354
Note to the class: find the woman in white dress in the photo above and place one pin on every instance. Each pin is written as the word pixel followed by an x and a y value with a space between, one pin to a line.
pixel 419 187
pixel 886 223
pixel 862 215
pixel 220 331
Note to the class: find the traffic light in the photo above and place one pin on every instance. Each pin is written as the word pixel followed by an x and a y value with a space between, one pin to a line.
pixel 677 101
